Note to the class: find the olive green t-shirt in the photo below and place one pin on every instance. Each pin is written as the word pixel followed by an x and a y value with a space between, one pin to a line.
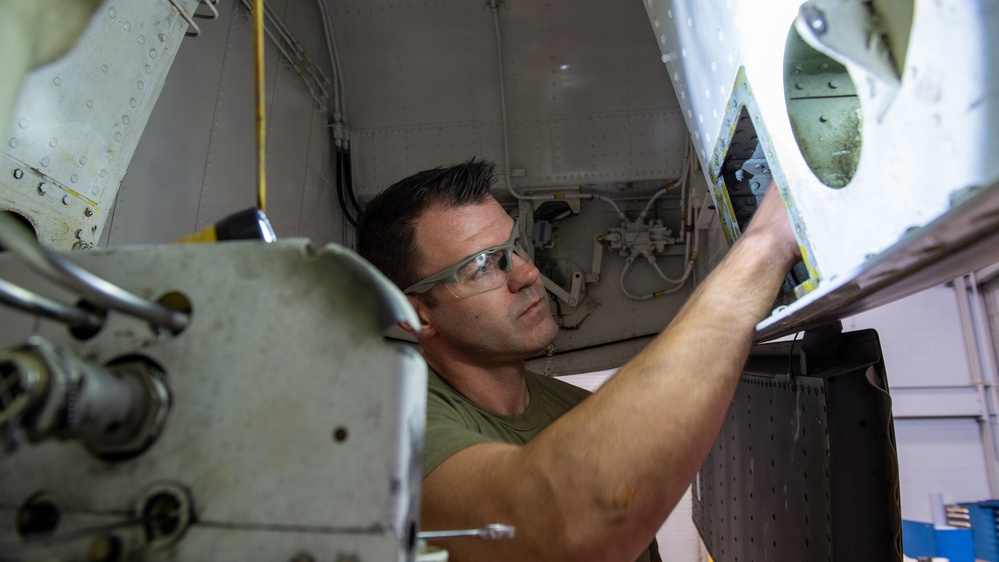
pixel 455 423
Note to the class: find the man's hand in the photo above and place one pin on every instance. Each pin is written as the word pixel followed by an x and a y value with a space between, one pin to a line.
pixel 771 222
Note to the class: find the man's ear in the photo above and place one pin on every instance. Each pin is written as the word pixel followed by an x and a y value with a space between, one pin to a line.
pixel 427 328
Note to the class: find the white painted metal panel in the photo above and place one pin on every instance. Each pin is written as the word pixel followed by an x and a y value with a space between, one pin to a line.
pixel 77 121
pixel 922 144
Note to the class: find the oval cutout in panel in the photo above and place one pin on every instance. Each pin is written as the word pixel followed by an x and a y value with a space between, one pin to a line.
pixel 824 110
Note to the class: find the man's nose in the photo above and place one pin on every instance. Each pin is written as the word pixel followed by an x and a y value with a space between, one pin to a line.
pixel 523 273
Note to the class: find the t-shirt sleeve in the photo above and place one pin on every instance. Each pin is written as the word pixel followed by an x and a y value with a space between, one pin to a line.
pixel 447 432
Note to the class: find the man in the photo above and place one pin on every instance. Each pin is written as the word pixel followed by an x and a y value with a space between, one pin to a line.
pixel 597 482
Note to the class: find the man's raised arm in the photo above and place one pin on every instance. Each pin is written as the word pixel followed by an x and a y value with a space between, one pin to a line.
pixel 599 481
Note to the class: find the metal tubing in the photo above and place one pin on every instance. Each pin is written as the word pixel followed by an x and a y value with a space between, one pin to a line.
pixel 33 303
pixel 211 6
pixel 68 274
pixel 187 17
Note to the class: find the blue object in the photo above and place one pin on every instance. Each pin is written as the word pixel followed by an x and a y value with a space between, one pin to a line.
pixel 918 539
pixel 957 545
pixel 984 527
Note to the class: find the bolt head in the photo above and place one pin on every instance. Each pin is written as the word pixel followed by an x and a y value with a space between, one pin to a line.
pixel 43 188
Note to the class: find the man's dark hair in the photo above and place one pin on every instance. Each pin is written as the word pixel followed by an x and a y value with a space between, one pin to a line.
pixel 387 233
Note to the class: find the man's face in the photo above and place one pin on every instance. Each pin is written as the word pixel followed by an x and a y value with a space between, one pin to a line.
pixel 511 322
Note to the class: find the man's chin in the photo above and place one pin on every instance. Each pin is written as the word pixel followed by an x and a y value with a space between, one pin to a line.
pixel 543 343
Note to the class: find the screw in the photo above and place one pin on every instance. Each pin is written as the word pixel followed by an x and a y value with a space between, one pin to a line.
pixel 43 188
pixel 65 199
pixel 814 18
pixel 89 212
pixel 18 173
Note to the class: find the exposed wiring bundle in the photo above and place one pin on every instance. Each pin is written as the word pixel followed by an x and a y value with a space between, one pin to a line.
pixel 640 239
pixel 634 239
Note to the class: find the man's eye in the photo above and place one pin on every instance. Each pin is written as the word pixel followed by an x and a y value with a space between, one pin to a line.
pixel 478 267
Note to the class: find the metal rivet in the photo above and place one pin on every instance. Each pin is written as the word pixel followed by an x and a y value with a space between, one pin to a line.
pixel 65 199
pixel 340 434
pixel 43 188
pixel 833 84
pixel 89 212
pixel 799 86
pixel 18 173
pixel 823 118
pixel 79 234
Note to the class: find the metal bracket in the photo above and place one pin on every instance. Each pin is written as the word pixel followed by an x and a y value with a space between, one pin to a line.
pixel 847 32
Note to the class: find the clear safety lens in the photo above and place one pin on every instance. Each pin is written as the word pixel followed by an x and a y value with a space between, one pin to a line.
pixel 487 270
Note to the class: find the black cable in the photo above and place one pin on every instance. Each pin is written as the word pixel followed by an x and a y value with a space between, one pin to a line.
pixel 790 357
pixel 349 183
pixel 339 188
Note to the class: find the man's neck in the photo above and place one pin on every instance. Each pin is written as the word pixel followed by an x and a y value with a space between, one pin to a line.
pixel 500 389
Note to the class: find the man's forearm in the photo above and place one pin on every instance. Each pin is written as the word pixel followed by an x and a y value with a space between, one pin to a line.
pixel 600 480
pixel 644 435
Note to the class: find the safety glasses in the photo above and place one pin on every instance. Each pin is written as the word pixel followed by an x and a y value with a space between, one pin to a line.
pixel 480 272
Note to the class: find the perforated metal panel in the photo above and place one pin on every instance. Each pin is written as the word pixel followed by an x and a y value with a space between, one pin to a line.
pixel 805 465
